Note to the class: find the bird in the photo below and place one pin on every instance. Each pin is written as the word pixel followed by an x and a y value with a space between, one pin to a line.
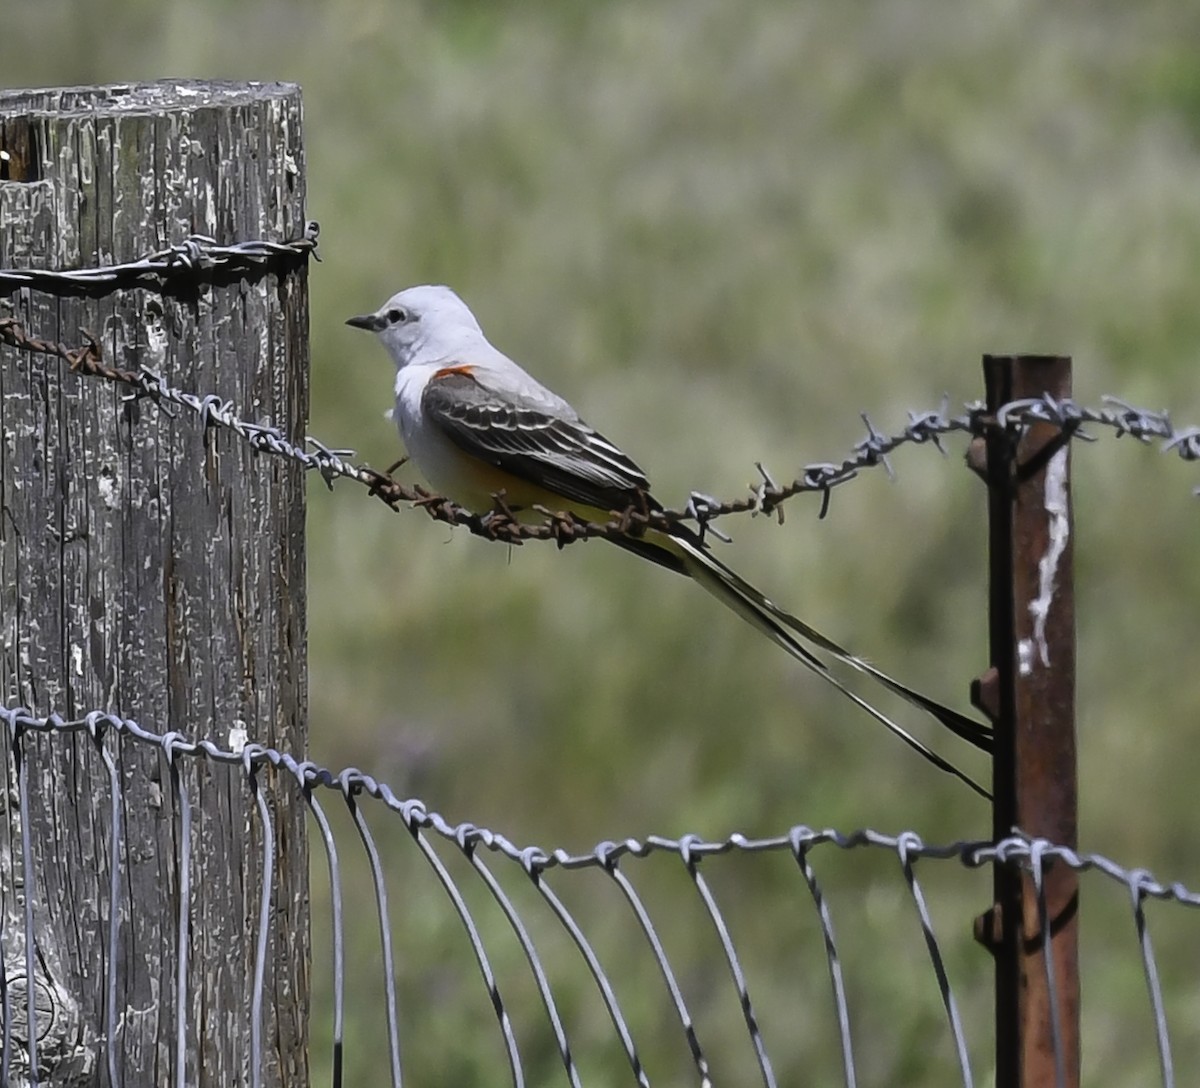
pixel 480 428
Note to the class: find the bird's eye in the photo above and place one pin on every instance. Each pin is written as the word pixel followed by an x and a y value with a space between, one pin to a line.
pixel 397 315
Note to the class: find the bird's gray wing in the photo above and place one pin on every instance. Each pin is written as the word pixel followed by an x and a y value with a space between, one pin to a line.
pixel 563 455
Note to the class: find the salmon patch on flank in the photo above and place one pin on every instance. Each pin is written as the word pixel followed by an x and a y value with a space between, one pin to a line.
pixel 449 371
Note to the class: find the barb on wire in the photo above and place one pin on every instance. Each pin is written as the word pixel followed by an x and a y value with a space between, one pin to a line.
pixel 562 527
pixel 197 259
pixel 86 359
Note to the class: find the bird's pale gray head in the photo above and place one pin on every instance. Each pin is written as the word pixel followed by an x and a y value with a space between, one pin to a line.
pixel 427 321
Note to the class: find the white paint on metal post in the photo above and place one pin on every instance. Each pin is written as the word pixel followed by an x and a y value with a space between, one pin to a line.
pixel 1058 512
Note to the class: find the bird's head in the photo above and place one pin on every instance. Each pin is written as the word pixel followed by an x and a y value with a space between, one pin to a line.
pixel 429 322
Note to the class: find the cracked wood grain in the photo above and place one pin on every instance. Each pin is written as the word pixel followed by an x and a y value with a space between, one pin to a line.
pixel 153 569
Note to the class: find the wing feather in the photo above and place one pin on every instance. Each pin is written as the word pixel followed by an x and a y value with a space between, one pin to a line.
pixel 564 456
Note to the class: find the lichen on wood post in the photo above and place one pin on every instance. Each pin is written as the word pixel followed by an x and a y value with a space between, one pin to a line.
pixel 155 570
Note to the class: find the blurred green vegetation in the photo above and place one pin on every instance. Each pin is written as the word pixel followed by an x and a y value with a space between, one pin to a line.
pixel 723 230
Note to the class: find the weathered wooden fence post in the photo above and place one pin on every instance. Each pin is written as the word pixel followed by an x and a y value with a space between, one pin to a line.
pixel 155 570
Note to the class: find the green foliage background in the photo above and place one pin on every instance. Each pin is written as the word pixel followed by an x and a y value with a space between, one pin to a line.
pixel 723 230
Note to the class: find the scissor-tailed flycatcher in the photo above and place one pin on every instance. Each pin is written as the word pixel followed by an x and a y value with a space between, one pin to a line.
pixel 477 425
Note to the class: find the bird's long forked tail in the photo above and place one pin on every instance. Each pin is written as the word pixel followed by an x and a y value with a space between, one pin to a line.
pixel 785 630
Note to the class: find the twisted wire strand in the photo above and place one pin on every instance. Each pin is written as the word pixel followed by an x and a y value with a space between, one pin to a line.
pixel 197 259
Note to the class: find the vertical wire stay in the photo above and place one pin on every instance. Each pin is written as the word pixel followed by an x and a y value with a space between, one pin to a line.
pixel 306 773
pixel 801 841
pixel 1036 849
pixel 481 957
pixel 96 727
pixel 350 789
pixel 1137 893
pixel 691 860
pixel 5 994
pixel 532 860
pixel 6 1008
pixel 467 844
pixel 908 846
pixel 609 861
pixel 28 876
pixel 183 855
pixel 264 915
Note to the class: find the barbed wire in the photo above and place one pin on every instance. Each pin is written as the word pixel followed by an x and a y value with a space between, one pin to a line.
pixel 196 259
pixel 767 497
pixel 1031 855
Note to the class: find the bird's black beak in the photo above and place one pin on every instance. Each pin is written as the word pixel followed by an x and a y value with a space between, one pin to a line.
pixel 370 322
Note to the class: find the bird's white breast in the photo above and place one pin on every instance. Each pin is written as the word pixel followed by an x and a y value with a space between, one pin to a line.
pixel 424 443
pixel 443 464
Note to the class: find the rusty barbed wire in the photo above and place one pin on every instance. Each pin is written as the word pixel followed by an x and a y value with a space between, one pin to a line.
pixel 766 497
pixel 197 257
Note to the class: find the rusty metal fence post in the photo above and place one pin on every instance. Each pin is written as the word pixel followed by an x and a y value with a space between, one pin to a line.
pixel 1030 694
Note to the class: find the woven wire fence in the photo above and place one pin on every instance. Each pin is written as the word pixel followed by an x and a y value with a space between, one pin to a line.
pixel 490 858
pixel 264 771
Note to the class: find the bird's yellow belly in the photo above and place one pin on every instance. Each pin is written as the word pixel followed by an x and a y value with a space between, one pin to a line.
pixel 475 484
